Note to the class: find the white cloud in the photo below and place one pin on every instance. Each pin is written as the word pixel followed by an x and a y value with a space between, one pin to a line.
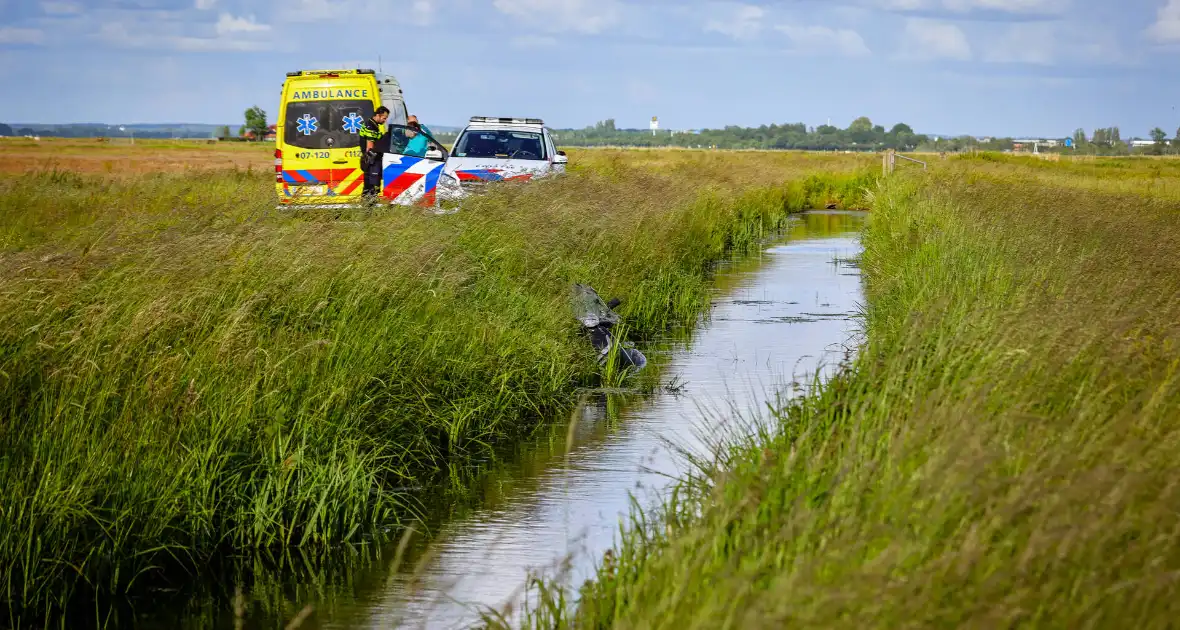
pixel 846 42
pixel 413 12
pixel 967 6
pixel 1008 6
pixel 559 16
pixel 229 25
pixel 13 35
pixel 1033 42
pixel 60 7
pixel 932 39
pixel 902 5
pixel 172 35
pixel 1166 29
pixel 204 5
pixel 744 22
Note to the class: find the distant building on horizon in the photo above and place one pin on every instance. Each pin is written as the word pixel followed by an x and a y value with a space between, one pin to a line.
pixel 271 133
pixel 1028 144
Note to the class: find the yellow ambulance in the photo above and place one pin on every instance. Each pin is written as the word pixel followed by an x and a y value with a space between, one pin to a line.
pixel 317 143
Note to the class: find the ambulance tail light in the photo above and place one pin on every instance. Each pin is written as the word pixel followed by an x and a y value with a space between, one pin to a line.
pixel 279 166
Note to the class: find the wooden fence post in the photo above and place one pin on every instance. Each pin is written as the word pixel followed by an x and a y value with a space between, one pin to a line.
pixel 888 161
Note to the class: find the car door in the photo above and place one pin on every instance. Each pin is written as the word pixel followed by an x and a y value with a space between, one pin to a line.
pixel 557 159
pixel 411 179
pixel 550 153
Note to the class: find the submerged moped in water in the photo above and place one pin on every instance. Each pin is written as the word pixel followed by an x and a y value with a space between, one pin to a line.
pixel 597 319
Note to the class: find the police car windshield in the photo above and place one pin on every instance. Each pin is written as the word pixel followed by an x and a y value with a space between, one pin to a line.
pixel 500 143
pixel 326 124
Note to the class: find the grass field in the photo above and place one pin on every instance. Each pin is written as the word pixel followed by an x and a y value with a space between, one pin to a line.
pixel 119 158
pixel 185 369
pixel 1001 452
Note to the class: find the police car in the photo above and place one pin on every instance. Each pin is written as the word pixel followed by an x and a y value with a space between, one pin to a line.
pixel 488 150
pixel 492 149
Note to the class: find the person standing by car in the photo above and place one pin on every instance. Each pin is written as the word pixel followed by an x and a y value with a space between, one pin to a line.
pixel 417 133
pixel 372 135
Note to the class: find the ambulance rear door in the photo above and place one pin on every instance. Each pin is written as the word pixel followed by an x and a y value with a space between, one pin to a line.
pixel 321 134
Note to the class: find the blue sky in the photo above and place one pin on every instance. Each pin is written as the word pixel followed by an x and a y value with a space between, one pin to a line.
pixel 1010 67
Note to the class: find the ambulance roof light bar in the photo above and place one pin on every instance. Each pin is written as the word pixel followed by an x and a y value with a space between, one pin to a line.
pixel 507 121
pixel 329 73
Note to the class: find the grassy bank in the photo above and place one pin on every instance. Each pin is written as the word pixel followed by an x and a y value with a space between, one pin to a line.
pixel 1002 450
pixel 184 369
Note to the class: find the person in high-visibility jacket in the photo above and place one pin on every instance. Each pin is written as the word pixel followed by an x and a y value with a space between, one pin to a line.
pixel 372 135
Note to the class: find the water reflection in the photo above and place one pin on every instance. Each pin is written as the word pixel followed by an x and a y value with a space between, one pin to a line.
pixel 775 316
pixel 558 498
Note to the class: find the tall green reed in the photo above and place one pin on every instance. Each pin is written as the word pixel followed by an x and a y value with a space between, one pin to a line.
pixel 998 453
pixel 183 368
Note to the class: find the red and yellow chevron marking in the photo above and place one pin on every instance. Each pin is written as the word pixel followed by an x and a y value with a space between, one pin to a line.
pixel 348 181
pixel 343 181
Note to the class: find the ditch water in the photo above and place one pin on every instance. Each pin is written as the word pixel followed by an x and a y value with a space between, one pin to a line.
pixel 554 504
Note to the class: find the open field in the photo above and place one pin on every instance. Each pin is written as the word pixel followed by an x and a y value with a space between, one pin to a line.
pixel 1001 451
pixel 119 158
pixel 184 369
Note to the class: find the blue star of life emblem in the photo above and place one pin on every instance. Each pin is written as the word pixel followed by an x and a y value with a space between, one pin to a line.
pixel 307 125
pixel 353 123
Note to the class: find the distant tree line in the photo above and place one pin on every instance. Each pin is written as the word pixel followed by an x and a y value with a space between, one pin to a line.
pixel 861 135
pixel 107 131
pixel 1108 141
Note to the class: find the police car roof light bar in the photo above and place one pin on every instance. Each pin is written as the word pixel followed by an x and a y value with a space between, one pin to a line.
pixel 506 120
